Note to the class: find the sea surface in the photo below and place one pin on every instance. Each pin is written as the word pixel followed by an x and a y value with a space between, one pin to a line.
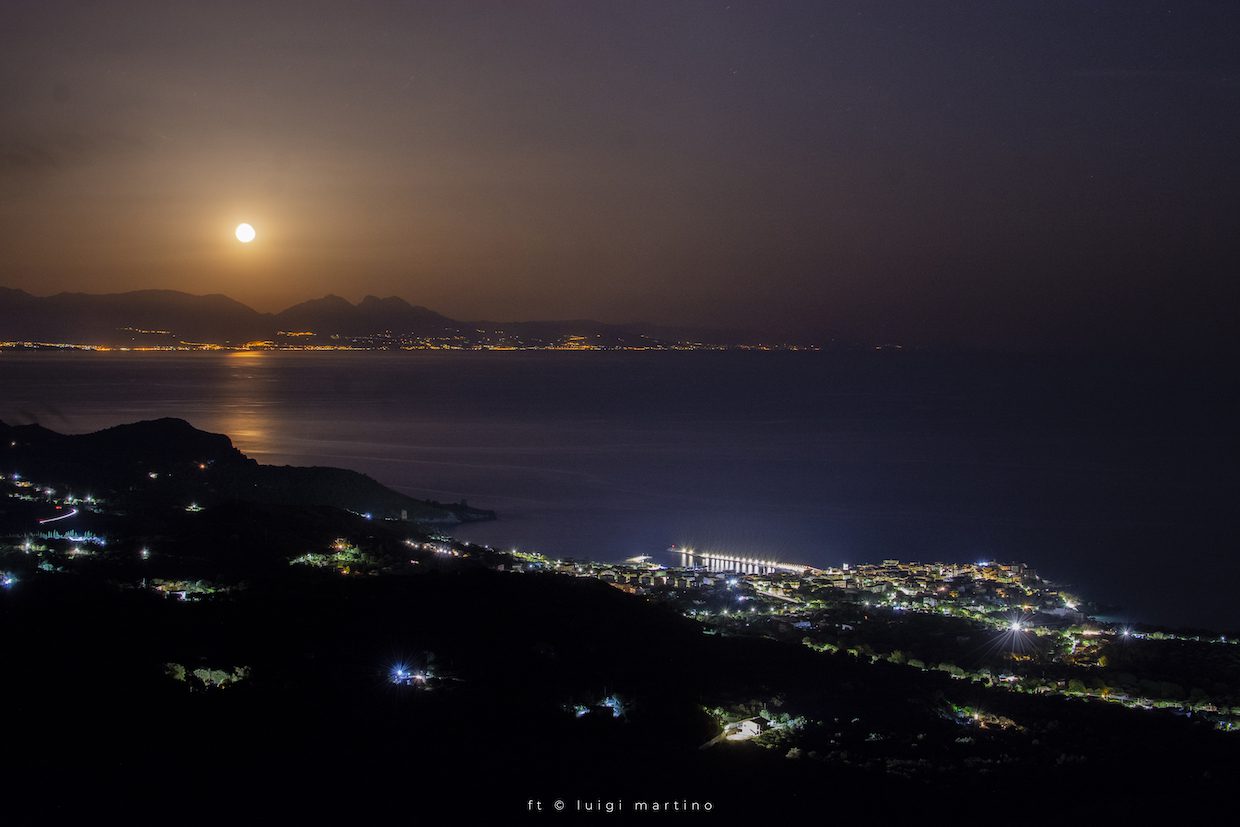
pixel 1118 478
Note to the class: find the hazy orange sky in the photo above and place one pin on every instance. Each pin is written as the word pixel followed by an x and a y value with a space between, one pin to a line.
pixel 1020 172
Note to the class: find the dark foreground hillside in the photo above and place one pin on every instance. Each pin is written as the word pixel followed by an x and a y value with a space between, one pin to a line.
pixel 94 719
pixel 251 661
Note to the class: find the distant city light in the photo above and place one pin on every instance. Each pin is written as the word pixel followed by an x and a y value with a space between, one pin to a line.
pixel 403 676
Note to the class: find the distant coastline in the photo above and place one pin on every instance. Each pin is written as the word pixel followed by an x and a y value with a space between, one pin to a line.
pixel 187 347
pixel 172 320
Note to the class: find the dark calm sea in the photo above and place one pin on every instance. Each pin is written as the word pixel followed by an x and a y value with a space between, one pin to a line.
pixel 1120 480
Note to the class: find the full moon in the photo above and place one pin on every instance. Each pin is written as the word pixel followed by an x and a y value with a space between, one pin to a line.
pixel 245 233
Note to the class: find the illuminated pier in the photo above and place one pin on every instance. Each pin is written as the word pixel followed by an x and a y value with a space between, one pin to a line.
pixel 723 562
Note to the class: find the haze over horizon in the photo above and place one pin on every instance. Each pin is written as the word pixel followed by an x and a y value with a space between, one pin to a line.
pixel 1031 175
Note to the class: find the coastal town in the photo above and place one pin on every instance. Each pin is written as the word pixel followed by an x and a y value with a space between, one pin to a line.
pixel 997 625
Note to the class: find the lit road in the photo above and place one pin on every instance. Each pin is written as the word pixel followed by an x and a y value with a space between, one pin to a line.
pixel 72 513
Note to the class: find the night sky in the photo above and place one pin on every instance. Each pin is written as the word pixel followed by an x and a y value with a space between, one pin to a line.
pixel 1011 174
